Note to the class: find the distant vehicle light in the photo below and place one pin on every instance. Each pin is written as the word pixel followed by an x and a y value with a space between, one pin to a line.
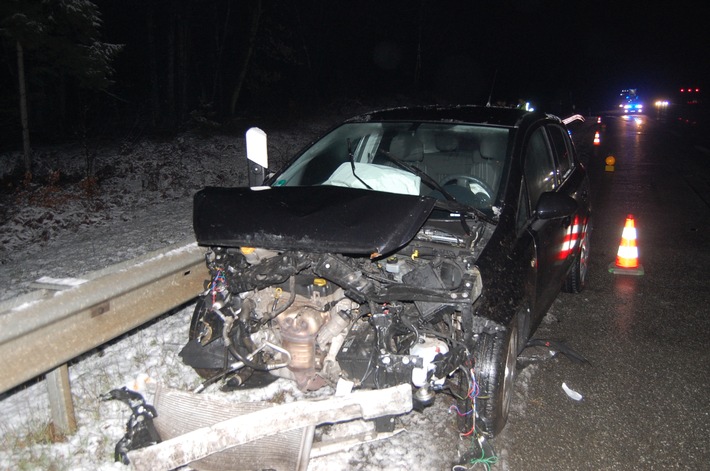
pixel 632 107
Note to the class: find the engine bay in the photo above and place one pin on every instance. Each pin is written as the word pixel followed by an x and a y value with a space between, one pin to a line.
pixel 317 318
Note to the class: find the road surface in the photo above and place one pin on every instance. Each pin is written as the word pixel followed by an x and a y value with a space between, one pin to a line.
pixel 646 389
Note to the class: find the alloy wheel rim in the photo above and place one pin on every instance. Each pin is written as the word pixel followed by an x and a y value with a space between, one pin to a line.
pixel 583 258
pixel 509 372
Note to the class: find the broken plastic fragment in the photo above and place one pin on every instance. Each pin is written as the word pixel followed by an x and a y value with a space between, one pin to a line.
pixel 572 393
pixel 344 387
pixel 140 383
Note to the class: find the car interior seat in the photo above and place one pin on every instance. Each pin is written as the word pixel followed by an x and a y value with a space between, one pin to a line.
pixel 488 167
pixel 450 157
pixel 407 148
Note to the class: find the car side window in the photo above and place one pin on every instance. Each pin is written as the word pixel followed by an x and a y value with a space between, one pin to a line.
pixel 563 150
pixel 539 166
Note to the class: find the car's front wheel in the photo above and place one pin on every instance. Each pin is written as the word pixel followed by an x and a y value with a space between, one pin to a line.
pixel 495 357
pixel 200 330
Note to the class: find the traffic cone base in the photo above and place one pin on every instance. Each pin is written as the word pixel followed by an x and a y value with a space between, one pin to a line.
pixel 627 258
pixel 625 271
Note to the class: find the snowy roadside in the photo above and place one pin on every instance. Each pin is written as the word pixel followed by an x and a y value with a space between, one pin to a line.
pixel 143 202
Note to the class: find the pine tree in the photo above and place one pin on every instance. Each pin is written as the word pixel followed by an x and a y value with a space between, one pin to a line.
pixel 62 37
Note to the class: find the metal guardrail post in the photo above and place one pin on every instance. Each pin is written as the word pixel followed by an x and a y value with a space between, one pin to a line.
pixel 60 400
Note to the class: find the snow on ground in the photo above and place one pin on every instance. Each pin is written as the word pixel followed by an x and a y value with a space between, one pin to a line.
pixel 144 202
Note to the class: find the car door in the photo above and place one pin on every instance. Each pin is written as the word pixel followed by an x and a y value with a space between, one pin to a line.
pixel 541 175
pixel 572 182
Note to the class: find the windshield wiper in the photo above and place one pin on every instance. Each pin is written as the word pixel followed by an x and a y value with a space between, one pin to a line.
pixel 351 158
pixel 421 174
pixel 453 203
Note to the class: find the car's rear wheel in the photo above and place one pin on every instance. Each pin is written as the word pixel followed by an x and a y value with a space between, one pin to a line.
pixel 577 277
pixel 495 357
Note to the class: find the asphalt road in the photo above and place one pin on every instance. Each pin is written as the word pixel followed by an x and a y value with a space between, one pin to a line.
pixel 646 389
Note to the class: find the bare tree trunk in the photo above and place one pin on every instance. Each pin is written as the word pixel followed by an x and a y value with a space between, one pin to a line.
pixel 418 66
pixel 153 67
pixel 170 89
pixel 247 57
pixel 183 41
pixel 23 109
pixel 220 40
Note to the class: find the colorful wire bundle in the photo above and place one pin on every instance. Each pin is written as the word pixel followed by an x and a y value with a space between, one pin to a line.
pixel 217 285
pixel 473 394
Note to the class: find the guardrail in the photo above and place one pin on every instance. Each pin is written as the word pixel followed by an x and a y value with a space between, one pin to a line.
pixel 43 330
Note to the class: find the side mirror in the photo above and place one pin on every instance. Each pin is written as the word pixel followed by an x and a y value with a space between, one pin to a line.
pixel 257 157
pixel 553 205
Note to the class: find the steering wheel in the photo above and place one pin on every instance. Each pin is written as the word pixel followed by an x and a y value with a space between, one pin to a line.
pixel 466 181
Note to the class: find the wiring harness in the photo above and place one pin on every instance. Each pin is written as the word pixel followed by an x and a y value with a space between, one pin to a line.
pixel 479 444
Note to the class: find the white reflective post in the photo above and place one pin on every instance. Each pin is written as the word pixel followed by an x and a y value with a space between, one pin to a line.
pixel 257 156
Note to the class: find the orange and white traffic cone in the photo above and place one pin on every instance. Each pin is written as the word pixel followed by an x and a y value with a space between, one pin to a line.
pixel 597 139
pixel 627 258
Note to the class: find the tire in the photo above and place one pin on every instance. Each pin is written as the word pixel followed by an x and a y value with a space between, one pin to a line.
pixel 495 357
pixel 196 320
pixel 195 328
pixel 202 315
pixel 577 277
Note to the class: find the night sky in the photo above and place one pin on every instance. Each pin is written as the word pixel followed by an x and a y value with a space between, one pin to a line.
pixel 544 50
pixel 536 49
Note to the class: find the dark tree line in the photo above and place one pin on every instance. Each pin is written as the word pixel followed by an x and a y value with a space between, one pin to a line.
pixel 74 68
pixel 107 68
pixel 184 62
pixel 214 60
pixel 205 62
pixel 59 60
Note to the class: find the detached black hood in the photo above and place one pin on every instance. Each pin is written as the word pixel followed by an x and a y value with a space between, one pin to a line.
pixel 317 218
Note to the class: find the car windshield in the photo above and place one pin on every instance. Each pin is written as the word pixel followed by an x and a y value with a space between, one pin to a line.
pixel 441 160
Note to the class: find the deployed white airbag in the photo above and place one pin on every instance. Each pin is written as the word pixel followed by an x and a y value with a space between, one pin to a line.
pixel 378 177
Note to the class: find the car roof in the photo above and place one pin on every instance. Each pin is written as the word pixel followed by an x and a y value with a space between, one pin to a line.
pixel 473 114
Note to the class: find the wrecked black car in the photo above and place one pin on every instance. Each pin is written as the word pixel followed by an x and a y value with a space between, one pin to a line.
pixel 411 245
